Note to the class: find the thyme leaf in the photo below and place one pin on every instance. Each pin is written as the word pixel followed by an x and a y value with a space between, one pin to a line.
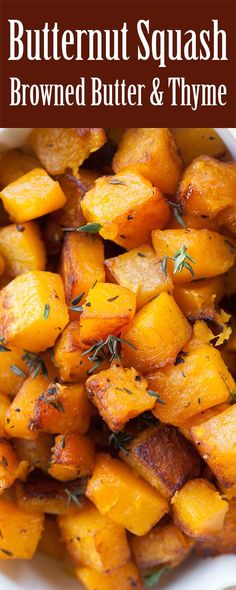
pixel 17 371
pixel 178 213
pixel 156 395
pixel 181 260
pixel 91 228
pixel 103 349
pixel 154 578
pixel 73 496
pixel 120 440
pixel 46 311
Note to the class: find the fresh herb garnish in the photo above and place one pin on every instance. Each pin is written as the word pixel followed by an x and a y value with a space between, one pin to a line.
pixel 35 363
pixel 74 303
pixel 154 578
pixel 113 298
pixel 73 496
pixel 103 349
pixel 57 405
pixel 141 254
pixel 91 228
pixel 6 551
pixel 4 461
pixel 17 371
pixel 180 259
pixel 119 440
pixel 156 395
pixel 3 347
pixel 117 181
pixel 46 311
pixel 178 212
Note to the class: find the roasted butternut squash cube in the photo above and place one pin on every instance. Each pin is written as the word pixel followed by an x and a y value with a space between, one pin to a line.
pixel 50 543
pixel 20 531
pixel 140 271
pixel 43 494
pixel 207 186
pixel 9 464
pixel 68 355
pixel 201 335
pixel 33 311
pixel 5 403
pixel 11 381
pixel 61 409
pixel 164 544
pixel 73 456
pixel 37 452
pixel 94 540
pixel 198 300
pixel 82 265
pixel 127 207
pixel 126 499
pixel 162 456
pixel 199 509
pixel 197 141
pixel 31 196
pixel 106 310
pixel 126 577
pixel 225 540
pixel 59 149
pixel 198 381
pixel 22 248
pixel 153 153
pixel 150 334
pixel 119 394
pixel 215 440
pixel 14 164
pixel 200 418
pixel 212 253
pixel 21 412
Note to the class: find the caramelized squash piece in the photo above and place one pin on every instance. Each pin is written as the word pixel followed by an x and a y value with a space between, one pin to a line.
pixel 94 540
pixel 198 300
pixel 50 543
pixel 198 381
pixel 127 207
pixel 20 531
pixel 140 271
pixel 68 355
pixel 164 544
pixel 162 456
pixel 153 153
pixel 197 141
pixel 126 499
pixel 119 394
pixel 61 409
pixel 215 440
pixel 33 311
pixel 82 265
pixel 14 164
pixel 36 452
pixel 31 196
pixel 22 248
pixel 213 253
pixel 199 509
pixel 5 403
pixel 59 149
pixel 106 310
pixel 224 541
pixel 207 186
pixel 73 456
pixel 9 465
pixel 42 494
pixel 151 333
pixel 126 577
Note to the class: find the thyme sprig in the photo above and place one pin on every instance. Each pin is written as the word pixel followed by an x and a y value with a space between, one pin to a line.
pixel 90 228
pixel 156 395
pixel 153 579
pixel 180 260
pixel 74 305
pixel 35 364
pixel 120 441
pixel 103 349
pixel 178 213
pixel 73 496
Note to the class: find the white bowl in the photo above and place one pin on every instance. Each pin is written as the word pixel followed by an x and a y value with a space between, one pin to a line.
pixel 46 574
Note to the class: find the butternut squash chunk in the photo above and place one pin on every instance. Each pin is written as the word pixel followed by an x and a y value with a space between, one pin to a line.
pixel 151 333
pixel 31 196
pixel 73 456
pixel 140 271
pixel 200 418
pixel 14 164
pixel 68 355
pixel 61 409
pixel 33 311
pixel 207 186
pixel 5 403
pixel 153 153
pixel 215 440
pixel 10 382
pixel 164 544
pixel 119 394
pixel 162 456
pixel 225 540
pixel 20 531
pixel 36 452
pixel 197 382
pixel 50 543
pixel 106 310
pixel 42 494
pixel 126 577
pixel 9 464
pixel 199 509
pixel 22 248
pixel 198 300
pixel 127 207
pixel 213 254
pixel 197 141
pixel 126 499
pixel 94 540
pixel 59 149
pixel 82 265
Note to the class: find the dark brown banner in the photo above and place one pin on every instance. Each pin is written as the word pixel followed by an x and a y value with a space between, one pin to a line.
pixel 118 63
